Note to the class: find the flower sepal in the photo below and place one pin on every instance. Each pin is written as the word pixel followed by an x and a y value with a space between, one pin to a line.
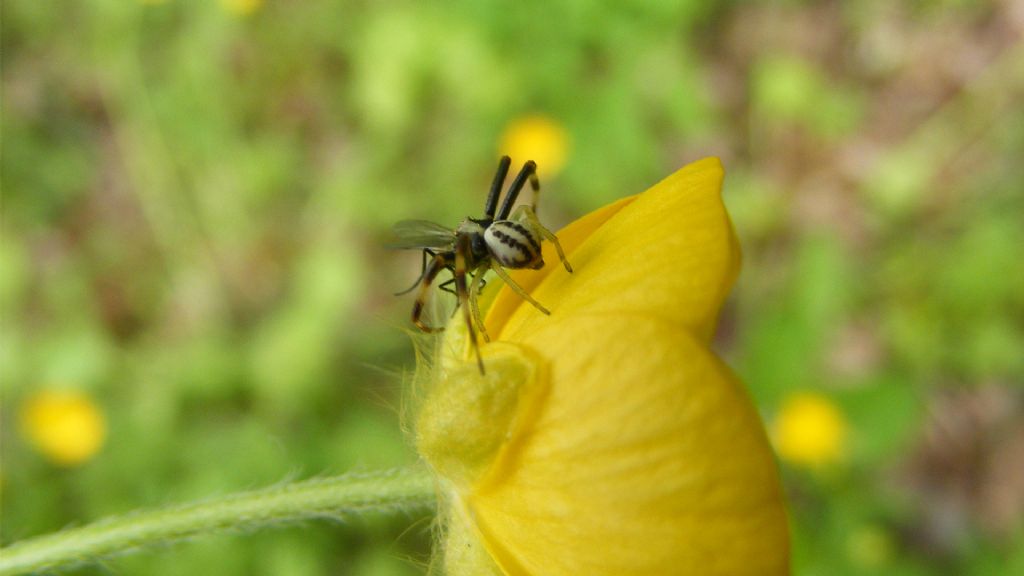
pixel 467 417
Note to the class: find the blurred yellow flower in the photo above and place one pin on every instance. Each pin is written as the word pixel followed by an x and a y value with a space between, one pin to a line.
pixel 66 426
pixel 538 138
pixel 241 7
pixel 810 430
pixel 606 438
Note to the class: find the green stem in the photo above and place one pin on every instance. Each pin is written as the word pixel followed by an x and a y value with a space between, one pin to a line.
pixel 343 495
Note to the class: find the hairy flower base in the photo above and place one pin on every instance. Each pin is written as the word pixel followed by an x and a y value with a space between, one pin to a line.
pixel 607 438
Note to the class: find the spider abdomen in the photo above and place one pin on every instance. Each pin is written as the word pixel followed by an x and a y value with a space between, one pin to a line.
pixel 513 245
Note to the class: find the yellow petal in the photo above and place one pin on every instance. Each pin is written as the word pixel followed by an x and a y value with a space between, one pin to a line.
pixel 646 457
pixel 669 252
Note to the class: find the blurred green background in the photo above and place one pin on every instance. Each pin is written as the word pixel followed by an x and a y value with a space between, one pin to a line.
pixel 196 195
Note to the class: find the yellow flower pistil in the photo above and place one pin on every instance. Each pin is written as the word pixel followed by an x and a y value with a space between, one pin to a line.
pixel 606 438
pixel 538 138
pixel 65 426
pixel 810 431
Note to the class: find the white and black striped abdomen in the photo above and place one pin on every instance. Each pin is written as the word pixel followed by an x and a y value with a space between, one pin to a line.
pixel 513 245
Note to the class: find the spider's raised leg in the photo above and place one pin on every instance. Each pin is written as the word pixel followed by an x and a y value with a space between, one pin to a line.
pixel 499 181
pixel 517 288
pixel 423 270
pixel 527 213
pixel 529 170
pixel 462 248
pixel 440 262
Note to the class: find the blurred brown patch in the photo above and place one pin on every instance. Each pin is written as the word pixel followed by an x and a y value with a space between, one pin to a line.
pixel 967 471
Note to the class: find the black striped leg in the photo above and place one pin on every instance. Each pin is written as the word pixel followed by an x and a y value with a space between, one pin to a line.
pixel 461 249
pixel 446 286
pixel 474 291
pixel 423 270
pixel 527 213
pixel 440 262
pixel 529 171
pixel 499 181
pixel 517 288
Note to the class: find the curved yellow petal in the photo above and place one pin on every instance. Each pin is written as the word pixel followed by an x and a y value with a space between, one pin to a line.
pixel 646 457
pixel 506 302
pixel 669 252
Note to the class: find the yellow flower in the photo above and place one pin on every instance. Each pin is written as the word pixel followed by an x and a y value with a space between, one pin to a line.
pixel 606 438
pixel 810 431
pixel 241 7
pixel 66 426
pixel 537 138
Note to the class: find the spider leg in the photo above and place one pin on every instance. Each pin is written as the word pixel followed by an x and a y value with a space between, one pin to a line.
pixel 423 270
pixel 517 288
pixel 445 285
pixel 440 262
pixel 462 248
pixel 527 213
pixel 529 170
pixel 474 290
pixel 499 181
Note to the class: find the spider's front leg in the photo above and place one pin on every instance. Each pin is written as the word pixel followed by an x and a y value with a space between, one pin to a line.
pixel 446 286
pixel 517 288
pixel 529 172
pixel 499 180
pixel 475 287
pixel 440 262
pixel 462 250
pixel 526 215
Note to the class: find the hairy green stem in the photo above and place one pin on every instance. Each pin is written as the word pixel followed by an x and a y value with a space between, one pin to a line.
pixel 338 496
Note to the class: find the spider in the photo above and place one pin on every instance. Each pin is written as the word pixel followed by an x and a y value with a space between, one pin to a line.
pixel 495 242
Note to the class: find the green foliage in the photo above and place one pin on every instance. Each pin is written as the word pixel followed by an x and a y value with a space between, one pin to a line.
pixel 789 90
pixel 195 203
